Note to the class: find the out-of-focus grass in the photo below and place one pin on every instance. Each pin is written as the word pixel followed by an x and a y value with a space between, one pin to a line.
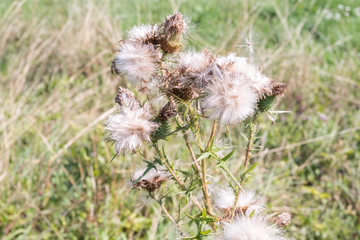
pixel 56 181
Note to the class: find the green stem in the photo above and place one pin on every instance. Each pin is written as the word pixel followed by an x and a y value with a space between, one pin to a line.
pixel 247 157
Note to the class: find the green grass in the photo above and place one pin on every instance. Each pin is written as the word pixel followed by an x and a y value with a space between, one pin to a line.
pixel 56 181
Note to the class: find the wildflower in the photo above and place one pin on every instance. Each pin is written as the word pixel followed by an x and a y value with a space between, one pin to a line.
pixel 248 203
pixel 137 61
pixel 230 100
pixel 143 33
pixel 254 228
pixel 283 219
pixel 132 125
pixel 151 181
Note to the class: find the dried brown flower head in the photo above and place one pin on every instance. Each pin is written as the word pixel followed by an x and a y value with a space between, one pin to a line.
pixel 273 89
pixel 174 25
pixel 168 111
pixel 151 181
pixel 283 219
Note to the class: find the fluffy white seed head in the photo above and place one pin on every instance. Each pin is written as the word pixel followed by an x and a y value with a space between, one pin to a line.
pixel 143 33
pixel 230 100
pixel 132 125
pixel 248 202
pixel 193 60
pixel 137 61
pixel 240 66
pixel 200 69
pixel 254 228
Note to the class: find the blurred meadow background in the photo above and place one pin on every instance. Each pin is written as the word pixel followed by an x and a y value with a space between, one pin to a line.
pixel 56 181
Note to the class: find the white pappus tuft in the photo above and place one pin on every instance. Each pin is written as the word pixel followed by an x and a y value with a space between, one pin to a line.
pixel 200 69
pixel 143 33
pixel 132 125
pixel 254 228
pixel 137 61
pixel 230 100
pixel 248 202
pixel 240 66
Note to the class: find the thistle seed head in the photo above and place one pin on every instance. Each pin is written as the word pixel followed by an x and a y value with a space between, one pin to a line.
pixel 137 61
pixel 151 181
pixel 132 125
pixel 246 228
pixel 248 202
pixel 230 100
pixel 174 25
pixel 168 111
pixel 240 66
pixel 283 219
pixel 126 99
pixel 144 34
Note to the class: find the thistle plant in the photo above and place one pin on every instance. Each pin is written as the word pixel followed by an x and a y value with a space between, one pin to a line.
pixel 177 93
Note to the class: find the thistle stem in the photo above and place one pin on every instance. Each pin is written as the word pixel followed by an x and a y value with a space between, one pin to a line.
pixel 177 179
pixel 212 135
pixel 247 157
pixel 167 214
pixel 193 157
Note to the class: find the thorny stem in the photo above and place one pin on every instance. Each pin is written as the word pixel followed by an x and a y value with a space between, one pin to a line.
pixel 161 203
pixel 247 157
pixel 193 157
pixel 201 174
pixel 177 179
pixel 213 130
pixel 173 174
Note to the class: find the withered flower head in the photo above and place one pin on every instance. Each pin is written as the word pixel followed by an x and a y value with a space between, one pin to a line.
pixel 168 111
pixel 174 25
pixel 151 181
pixel 201 69
pixel 283 219
pixel 172 30
pixel 144 33
pixel 132 125
pixel 137 61
pixel 126 99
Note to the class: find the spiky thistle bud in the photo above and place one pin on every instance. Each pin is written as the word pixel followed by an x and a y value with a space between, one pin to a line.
pixel 283 219
pixel 151 181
